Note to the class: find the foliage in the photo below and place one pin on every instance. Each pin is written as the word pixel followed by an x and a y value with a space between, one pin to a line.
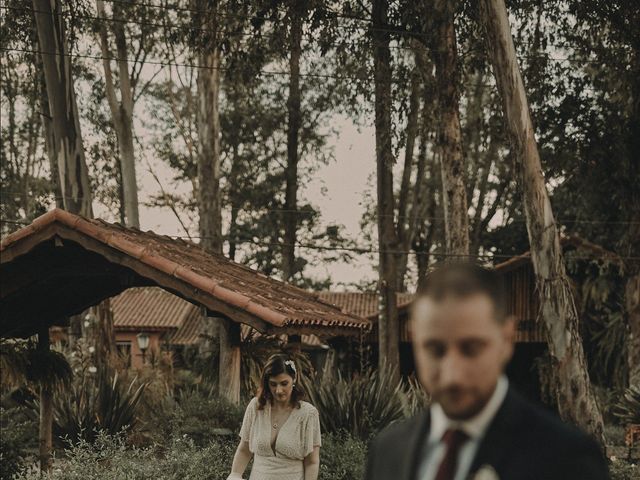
pixel 601 305
pixel 416 398
pixel 19 433
pixel 92 404
pixel 362 405
pixel 621 470
pixel 202 416
pixel 110 458
pixel 342 457
pixel 628 407
pixel 22 362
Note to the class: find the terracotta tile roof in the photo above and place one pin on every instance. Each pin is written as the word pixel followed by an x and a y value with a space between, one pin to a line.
pixel 363 304
pixel 189 332
pixel 150 308
pixel 273 302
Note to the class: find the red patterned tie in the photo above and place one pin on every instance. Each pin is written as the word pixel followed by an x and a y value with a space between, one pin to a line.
pixel 453 440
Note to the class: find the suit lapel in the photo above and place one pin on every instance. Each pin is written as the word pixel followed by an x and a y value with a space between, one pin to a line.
pixel 415 441
pixel 499 438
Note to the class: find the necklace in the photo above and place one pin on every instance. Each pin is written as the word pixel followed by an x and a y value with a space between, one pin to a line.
pixel 276 423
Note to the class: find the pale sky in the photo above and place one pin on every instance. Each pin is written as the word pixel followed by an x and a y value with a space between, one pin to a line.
pixel 337 190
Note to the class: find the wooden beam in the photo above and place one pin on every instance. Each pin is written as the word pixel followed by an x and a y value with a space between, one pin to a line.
pixel 46 410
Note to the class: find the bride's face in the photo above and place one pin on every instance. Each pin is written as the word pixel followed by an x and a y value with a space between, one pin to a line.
pixel 281 387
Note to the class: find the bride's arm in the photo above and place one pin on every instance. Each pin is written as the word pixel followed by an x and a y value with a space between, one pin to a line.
pixel 240 460
pixel 312 464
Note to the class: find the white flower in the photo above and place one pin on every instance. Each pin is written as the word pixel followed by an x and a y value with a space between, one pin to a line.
pixel 292 365
pixel 92 349
pixel 92 369
pixel 486 472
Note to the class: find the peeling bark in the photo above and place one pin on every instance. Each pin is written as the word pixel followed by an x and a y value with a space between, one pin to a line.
pixel 121 110
pixel 67 138
pixel 572 388
pixel 454 194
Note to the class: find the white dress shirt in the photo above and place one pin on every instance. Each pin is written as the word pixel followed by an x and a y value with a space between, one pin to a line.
pixel 474 427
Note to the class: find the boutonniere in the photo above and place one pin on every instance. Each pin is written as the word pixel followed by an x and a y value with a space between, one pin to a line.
pixel 486 472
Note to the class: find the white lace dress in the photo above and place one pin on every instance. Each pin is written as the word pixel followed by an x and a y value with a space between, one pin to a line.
pixel 296 439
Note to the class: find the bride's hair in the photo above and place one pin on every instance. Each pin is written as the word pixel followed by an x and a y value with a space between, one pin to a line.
pixel 277 364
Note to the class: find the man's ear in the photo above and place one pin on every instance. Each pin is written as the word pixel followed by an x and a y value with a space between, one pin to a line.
pixel 509 332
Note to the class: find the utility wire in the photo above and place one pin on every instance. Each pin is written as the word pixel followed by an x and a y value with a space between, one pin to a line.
pixel 253 34
pixel 302 212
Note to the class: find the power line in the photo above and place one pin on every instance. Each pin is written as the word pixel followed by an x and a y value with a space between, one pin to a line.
pixel 252 35
pixel 181 28
pixel 367 250
pixel 302 212
pixel 206 67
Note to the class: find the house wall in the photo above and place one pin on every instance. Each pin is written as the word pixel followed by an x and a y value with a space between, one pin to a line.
pixel 129 338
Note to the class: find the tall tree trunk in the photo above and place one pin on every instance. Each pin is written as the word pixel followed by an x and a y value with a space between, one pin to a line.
pixel 64 142
pixel 209 194
pixel 450 135
pixel 49 137
pixel 406 224
pixel 293 130
pixel 388 330
pixel 208 118
pixel 121 111
pixel 572 388
pixel 46 409
pixel 632 240
pixel 67 138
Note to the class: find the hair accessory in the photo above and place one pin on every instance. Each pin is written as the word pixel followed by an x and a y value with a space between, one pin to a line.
pixel 292 365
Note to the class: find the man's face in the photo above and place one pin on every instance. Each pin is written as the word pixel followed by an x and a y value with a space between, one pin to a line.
pixel 460 351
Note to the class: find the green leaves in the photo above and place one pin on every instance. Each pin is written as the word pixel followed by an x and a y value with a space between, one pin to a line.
pixel 21 362
pixel 628 407
pixel 364 404
pixel 91 405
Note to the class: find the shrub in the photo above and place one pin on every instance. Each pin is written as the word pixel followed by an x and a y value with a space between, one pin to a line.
pixel 19 434
pixel 108 458
pixel 361 406
pixel 200 416
pixel 621 470
pixel 342 457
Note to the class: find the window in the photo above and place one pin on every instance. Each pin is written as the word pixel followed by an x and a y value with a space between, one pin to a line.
pixel 124 352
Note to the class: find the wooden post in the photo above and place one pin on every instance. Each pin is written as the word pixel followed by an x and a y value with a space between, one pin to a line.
pixel 46 409
pixel 295 342
pixel 229 374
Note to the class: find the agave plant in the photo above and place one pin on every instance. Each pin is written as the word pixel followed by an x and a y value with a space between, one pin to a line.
pixel 96 404
pixel 361 406
pixel 416 398
pixel 628 407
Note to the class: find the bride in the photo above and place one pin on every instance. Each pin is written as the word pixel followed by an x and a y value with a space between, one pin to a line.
pixel 280 430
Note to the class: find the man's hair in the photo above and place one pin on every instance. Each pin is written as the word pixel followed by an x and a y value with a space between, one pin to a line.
pixel 463 279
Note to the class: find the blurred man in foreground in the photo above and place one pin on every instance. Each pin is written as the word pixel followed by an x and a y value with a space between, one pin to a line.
pixel 477 427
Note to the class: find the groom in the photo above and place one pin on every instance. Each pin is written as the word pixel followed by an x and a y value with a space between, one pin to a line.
pixel 477 427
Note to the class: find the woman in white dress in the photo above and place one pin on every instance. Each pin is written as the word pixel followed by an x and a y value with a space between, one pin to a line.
pixel 280 430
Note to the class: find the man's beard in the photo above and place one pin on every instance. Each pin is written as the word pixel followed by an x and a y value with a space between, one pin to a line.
pixel 450 397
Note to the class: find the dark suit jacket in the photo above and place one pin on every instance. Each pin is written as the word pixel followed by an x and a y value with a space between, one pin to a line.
pixel 523 442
